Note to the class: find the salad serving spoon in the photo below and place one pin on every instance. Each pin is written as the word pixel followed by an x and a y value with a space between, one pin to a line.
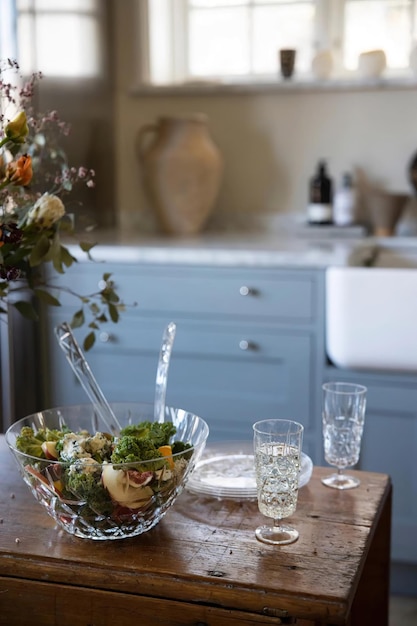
pixel 82 370
pixel 162 371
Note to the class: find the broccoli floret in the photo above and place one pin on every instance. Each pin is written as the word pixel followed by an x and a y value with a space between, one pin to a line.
pixel 185 448
pixel 140 431
pixel 162 433
pixel 87 486
pixel 158 433
pixel 30 442
pixel 130 449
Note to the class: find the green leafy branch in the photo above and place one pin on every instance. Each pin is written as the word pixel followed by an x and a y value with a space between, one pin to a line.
pixel 35 250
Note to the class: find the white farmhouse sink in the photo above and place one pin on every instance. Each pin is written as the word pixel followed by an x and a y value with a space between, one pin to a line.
pixel 371 312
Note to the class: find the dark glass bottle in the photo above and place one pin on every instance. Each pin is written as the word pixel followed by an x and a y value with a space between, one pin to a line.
pixel 320 200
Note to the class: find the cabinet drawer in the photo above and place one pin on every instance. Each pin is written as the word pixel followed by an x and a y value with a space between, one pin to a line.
pixel 210 374
pixel 68 605
pixel 287 295
pixel 238 340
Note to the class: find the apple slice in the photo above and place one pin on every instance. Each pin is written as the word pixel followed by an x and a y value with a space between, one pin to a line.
pixel 49 450
pixel 132 494
pixel 55 486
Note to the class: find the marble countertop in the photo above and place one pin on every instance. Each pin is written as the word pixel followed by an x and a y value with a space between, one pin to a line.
pixel 237 250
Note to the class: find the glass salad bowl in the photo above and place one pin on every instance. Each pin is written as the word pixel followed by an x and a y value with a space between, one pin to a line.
pixel 99 486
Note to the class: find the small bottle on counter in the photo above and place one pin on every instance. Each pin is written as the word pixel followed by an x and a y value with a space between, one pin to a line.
pixel 320 209
pixel 344 202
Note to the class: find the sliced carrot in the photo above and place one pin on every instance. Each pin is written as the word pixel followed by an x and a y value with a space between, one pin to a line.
pixel 166 451
pixel 58 486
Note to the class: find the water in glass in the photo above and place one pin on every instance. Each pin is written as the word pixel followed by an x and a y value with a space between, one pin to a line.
pixel 277 450
pixel 277 471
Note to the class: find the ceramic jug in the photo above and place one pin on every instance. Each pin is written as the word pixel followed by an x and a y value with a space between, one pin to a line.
pixel 322 64
pixel 181 172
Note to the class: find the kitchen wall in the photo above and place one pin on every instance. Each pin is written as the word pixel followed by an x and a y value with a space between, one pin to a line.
pixel 271 141
pixel 87 105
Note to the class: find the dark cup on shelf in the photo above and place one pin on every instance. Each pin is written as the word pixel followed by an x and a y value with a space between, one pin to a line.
pixel 287 61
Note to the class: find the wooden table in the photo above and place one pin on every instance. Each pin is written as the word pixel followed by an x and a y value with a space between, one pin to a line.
pixel 201 566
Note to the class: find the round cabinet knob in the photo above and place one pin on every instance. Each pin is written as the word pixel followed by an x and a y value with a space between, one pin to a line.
pixel 247 291
pixel 244 344
pixel 104 337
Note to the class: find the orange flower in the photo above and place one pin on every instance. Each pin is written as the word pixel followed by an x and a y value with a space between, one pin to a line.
pixel 20 172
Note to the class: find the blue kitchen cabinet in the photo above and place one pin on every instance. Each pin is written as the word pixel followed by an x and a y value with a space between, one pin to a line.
pixel 247 343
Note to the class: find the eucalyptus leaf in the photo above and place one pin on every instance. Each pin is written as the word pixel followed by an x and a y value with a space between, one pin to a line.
pixel 66 223
pixel 66 226
pixel 86 246
pixel 54 250
pixel 57 263
pixel 114 313
pixel 78 319
pixel 40 251
pixel 26 309
pixel 47 297
pixel 66 257
pixel 113 297
pixel 89 341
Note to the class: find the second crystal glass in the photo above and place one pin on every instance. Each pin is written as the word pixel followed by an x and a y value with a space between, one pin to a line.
pixel 343 420
pixel 277 447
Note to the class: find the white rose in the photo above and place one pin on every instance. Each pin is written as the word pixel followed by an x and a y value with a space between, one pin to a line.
pixel 46 211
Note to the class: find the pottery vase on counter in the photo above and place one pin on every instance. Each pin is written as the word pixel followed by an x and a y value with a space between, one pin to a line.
pixel 181 171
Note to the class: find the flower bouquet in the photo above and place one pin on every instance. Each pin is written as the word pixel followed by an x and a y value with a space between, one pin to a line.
pixel 34 178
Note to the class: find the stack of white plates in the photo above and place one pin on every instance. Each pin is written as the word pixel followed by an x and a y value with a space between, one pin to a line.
pixel 227 470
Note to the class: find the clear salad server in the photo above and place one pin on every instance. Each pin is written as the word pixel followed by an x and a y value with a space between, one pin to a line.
pixel 162 371
pixel 82 370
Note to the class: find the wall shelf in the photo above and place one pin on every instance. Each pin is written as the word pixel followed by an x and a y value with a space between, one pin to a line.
pixel 281 86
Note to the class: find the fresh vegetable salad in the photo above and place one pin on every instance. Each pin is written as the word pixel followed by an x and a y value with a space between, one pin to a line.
pixel 107 475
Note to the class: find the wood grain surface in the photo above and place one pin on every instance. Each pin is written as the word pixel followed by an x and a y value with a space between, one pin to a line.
pixel 201 564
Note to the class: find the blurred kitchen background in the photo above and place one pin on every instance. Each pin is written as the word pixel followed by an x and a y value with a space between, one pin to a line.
pixel 111 67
